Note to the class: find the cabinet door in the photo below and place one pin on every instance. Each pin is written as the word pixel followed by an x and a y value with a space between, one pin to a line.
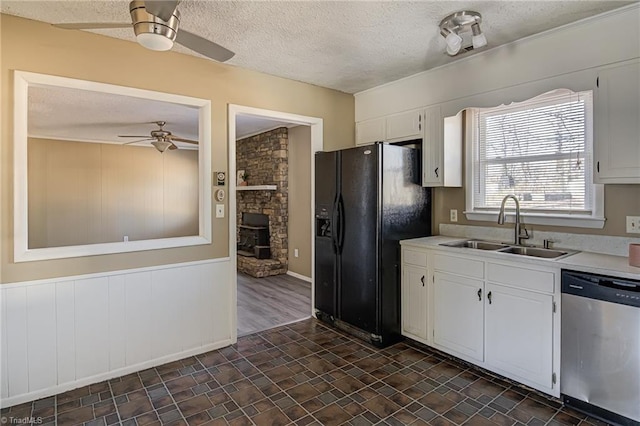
pixel 617 125
pixel 432 148
pixel 414 301
pixel 370 131
pixel 405 126
pixel 519 333
pixel 458 315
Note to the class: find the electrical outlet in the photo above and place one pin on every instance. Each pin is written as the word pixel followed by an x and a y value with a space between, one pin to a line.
pixel 633 224
pixel 453 215
pixel 295 253
pixel 125 239
pixel 219 210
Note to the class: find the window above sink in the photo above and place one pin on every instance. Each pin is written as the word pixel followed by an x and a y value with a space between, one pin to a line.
pixel 541 151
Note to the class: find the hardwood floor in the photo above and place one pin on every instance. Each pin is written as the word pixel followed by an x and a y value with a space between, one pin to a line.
pixel 268 302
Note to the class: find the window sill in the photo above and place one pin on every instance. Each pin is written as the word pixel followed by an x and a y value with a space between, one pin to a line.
pixel 541 219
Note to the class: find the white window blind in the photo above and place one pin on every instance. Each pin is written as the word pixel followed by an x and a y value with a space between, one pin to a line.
pixel 538 150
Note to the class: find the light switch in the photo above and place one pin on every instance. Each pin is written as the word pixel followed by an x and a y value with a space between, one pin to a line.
pixel 219 210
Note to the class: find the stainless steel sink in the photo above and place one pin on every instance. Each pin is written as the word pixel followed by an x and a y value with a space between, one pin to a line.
pixel 477 244
pixel 510 249
pixel 535 252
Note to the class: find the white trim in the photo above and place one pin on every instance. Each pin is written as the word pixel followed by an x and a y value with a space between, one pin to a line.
pixel 17 284
pixel 317 143
pixel 299 276
pixel 21 251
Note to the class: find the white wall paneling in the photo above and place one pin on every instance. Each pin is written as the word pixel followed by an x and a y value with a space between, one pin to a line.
pixel 41 336
pixel 64 333
pixel 17 356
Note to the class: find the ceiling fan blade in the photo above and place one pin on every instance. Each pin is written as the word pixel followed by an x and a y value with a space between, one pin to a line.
pixel 174 138
pixel 90 26
pixel 139 140
pixel 203 46
pixel 163 9
pixel 133 136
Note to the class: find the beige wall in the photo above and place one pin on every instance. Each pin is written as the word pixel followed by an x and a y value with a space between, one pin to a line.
pixel 37 47
pixel 300 200
pixel 89 193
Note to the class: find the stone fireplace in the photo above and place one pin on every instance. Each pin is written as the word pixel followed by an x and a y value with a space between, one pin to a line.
pixel 264 158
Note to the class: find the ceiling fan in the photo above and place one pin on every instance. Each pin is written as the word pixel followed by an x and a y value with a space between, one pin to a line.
pixel 155 23
pixel 162 139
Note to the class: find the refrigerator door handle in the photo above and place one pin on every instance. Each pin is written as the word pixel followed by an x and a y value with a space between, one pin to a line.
pixel 340 223
pixel 334 225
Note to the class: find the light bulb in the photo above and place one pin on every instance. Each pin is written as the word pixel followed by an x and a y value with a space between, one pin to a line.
pixel 479 41
pixel 478 38
pixel 454 43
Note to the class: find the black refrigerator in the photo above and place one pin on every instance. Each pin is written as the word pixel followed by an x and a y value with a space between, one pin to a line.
pixel 367 199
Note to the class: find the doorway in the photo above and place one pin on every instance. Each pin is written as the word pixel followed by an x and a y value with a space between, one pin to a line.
pixel 261 303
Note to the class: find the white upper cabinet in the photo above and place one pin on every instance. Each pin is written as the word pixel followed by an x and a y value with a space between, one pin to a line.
pixel 404 126
pixel 617 125
pixel 394 128
pixel 370 131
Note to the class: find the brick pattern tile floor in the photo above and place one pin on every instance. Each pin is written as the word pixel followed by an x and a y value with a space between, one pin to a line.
pixel 304 374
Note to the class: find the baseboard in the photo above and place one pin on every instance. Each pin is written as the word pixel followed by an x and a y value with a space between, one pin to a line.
pixel 64 387
pixel 299 276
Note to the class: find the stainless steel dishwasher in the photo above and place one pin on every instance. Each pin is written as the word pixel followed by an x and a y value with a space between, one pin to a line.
pixel 600 350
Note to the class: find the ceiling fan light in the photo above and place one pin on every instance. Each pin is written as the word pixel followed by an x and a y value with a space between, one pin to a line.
pixel 154 41
pixel 161 146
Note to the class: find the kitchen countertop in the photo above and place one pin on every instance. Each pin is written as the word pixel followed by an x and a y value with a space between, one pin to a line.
pixel 580 261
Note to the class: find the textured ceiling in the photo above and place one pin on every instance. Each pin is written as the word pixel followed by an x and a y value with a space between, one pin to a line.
pixel 344 45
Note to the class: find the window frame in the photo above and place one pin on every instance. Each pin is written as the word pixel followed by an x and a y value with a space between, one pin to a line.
pixel 596 217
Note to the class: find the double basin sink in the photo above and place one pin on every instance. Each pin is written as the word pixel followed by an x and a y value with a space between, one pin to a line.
pixel 510 249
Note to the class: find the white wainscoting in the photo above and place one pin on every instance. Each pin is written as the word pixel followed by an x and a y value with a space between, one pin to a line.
pixel 60 334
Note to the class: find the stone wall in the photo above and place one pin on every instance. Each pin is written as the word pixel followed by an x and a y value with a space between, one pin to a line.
pixel 264 158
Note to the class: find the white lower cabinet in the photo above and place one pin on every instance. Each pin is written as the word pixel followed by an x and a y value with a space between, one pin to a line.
pixel 414 302
pixel 519 333
pixel 498 315
pixel 457 313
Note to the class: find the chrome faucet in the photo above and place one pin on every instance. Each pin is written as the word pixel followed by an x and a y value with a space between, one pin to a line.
pixel 519 229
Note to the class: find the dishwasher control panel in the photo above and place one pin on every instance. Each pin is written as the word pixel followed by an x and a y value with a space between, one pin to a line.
pixel 601 287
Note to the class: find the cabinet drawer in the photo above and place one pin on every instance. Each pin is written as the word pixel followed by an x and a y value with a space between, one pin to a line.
pixel 413 257
pixel 459 266
pixel 529 279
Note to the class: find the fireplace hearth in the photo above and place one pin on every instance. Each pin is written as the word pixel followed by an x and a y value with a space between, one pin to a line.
pixel 253 239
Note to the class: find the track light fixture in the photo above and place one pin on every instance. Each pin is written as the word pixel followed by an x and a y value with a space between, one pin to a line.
pixel 459 22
